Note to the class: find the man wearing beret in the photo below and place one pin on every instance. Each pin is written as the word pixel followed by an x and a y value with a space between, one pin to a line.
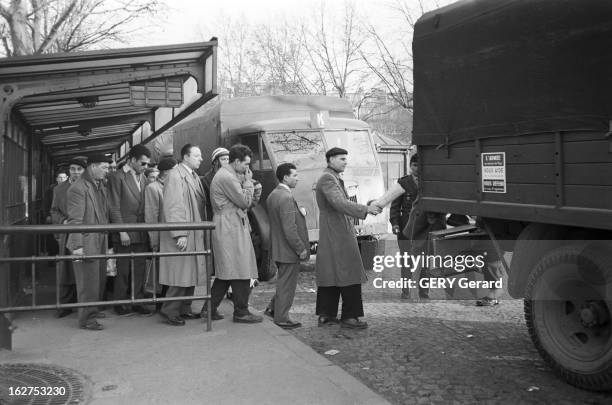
pixel 339 269
pixel 88 205
pixel 126 195
pixel 59 215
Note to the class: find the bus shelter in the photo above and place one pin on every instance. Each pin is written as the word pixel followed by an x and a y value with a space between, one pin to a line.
pixel 54 107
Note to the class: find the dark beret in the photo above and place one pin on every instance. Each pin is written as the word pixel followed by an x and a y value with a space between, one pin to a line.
pixel 335 152
pixel 79 161
pixel 167 164
pixel 98 158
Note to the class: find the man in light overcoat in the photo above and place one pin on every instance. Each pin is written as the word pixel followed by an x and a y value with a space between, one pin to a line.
pixel 88 205
pixel 126 193
pixel 289 242
pixel 235 263
pixel 339 268
pixel 184 201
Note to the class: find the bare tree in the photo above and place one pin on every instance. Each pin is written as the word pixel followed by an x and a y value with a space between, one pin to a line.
pixel 284 51
pixel 335 55
pixel 390 58
pixel 41 26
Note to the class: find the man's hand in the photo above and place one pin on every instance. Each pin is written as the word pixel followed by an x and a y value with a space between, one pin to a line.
pixel 305 255
pixel 396 229
pixel 181 243
pixel 373 209
pixel 77 252
pixel 125 238
pixel 248 175
pixel 155 248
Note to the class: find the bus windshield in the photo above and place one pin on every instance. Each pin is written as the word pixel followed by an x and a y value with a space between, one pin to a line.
pixel 357 143
pixel 305 149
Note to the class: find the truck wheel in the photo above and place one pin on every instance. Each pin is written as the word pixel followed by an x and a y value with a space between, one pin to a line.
pixel 568 311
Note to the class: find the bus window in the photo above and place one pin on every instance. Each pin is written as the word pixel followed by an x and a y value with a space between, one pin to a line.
pixel 304 149
pixel 357 143
pixel 258 162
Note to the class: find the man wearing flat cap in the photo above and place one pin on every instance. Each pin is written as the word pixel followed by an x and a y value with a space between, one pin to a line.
pixel 88 205
pixel 339 269
pixel 59 215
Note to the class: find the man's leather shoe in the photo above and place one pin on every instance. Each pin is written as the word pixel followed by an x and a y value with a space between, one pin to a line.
pixel 142 310
pixel 250 318
pixel 60 313
pixel 92 325
pixel 123 310
pixel 100 315
pixel 288 324
pixel 326 320
pixel 175 321
pixel 190 315
pixel 353 323
pixel 216 316
pixel 269 312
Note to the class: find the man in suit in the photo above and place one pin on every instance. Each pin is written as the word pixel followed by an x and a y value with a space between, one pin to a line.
pixel 184 201
pixel 59 215
pixel 339 269
pixel 126 193
pixel 88 205
pixel 400 212
pixel 289 243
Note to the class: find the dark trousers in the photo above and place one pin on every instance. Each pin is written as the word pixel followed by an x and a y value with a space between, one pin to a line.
pixel 90 276
pixel 328 298
pixel 177 308
pixel 67 283
pixel 286 283
pixel 121 285
pixel 409 273
pixel 241 289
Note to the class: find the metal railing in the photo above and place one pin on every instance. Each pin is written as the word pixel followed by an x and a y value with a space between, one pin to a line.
pixel 206 227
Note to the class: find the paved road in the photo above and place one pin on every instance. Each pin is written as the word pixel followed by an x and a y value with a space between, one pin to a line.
pixel 436 352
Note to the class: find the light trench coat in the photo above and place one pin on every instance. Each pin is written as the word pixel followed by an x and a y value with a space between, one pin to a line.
pixel 231 239
pixel 183 201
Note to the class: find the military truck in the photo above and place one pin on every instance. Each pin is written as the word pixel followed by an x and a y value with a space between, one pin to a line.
pixel 513 124
pixel 296 129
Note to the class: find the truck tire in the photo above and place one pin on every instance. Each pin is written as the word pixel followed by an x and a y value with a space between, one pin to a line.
pixel 568 314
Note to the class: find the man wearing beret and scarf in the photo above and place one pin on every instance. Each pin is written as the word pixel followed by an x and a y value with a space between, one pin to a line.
pixel 88 204
pixel 339 268
pixel 59 215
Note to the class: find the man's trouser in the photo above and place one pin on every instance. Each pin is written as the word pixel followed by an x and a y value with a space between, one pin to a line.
pixel 90 276
pixel 122 286
pixel 329 297
pixel 173 309
pixel 286 283
pixel 241 289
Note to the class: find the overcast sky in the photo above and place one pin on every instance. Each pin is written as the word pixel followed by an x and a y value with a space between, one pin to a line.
pixel 194 20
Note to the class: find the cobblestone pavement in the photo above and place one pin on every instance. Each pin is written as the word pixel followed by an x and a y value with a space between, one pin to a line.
pixel 434 352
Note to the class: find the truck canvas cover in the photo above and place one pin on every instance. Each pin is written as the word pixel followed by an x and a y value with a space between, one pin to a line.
pixel 489 68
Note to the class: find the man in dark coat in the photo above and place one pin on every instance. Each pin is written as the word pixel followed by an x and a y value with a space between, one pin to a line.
pixel 289 242
pixel 59 215
pixel 126 195
pixel 339 268
pixel 88 205
pixel 400 212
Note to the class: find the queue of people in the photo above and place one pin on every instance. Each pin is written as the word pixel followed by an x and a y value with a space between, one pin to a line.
pixel 173 192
